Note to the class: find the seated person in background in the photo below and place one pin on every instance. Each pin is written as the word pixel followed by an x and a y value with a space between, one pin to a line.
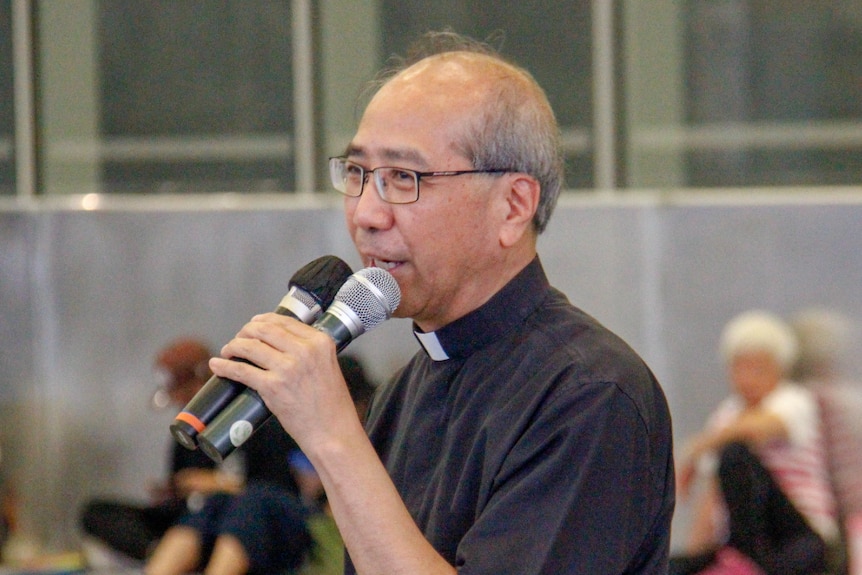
pixel 268 523
pixel 826 341
pixel 761 451
pixel 249 523
pixel 132 529
pixel 7 507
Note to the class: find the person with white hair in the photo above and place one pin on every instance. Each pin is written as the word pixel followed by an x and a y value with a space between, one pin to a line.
pixel 761 455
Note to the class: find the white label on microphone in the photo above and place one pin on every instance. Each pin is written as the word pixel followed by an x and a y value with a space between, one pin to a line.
pixel 240 431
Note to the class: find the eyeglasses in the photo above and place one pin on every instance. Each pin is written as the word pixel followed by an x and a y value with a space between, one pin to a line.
pixel 394 185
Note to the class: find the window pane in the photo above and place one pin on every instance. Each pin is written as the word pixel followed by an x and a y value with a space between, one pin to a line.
pixel 790 70
pixel 165 96
pixel 200 94
pixel 550 39
pixel 744 93
pixel 7 118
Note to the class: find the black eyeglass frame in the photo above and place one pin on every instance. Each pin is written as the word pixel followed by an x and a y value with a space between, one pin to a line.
pixel 365 172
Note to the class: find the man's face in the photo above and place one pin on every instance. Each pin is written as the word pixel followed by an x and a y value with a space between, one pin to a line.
pixel 442 249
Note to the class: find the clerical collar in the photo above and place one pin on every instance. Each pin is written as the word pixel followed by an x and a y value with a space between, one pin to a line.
pixel 507 308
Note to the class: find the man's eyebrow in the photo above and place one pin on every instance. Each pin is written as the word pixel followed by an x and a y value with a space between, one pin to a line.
pixel 354 150
pixel 390 154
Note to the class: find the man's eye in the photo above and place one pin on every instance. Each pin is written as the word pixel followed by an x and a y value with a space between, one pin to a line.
pixel 401 176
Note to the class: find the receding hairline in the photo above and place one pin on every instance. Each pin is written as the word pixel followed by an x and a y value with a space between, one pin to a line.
pixel 475 67
pixel 485 76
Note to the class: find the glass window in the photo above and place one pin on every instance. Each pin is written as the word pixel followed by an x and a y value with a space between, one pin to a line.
pixel 751 93
pixel 164 96
pixel 551 39
pixel 195 96
pixel 7 109
pixel 790 71
pixel 161 96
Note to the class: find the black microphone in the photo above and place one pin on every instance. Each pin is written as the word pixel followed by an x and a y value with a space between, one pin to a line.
pixel 312 289
pixel 367 299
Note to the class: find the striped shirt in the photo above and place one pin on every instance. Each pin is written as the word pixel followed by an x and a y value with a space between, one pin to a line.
pixel 841 408
pixel 798 463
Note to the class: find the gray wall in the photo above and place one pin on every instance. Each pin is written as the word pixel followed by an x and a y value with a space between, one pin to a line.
pixel 87 298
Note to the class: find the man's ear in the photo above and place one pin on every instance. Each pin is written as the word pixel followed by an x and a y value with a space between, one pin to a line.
pixel 522 200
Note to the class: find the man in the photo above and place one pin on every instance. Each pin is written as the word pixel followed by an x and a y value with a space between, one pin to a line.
pixel 524 438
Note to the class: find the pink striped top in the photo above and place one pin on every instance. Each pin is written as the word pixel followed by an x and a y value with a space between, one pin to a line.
pixel 798 463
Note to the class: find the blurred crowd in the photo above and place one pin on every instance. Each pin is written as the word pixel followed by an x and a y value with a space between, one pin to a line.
pixel 261 510
pixel 774 477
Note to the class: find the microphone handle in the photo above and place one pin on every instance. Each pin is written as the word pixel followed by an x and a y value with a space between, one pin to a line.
pixel 234 425
pixel 214 396
pixel 237 422
pixel 219 392
pixel 334 325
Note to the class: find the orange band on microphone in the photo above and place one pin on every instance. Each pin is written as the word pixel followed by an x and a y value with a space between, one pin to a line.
pixel 191 420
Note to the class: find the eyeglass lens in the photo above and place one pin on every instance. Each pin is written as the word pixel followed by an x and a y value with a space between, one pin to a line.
pixel 394 185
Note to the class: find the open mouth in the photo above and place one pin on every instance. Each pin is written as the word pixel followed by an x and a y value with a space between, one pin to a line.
pixel 385 264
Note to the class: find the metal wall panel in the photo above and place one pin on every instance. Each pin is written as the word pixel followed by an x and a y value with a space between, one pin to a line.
pixel 89 297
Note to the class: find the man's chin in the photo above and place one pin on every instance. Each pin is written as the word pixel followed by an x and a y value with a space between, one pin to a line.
pixel 400 313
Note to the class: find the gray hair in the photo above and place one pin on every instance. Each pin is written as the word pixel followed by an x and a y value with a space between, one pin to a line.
pixel 518 129
pixel 826 338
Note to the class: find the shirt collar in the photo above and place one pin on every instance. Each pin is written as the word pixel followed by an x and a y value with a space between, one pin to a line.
pixel 506 309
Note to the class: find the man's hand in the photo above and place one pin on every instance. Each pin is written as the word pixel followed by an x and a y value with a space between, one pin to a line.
pixel 296 373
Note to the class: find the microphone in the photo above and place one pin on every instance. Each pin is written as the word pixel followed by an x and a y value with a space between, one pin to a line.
pixel 367 299
pixel 312 289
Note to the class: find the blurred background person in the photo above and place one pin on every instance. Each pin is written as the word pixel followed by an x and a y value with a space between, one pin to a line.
pixel 7 506
pixel 253 521
pixel 827 342
pixel 127 530
pixel 275 519
pixel 827 339
pixel 768 506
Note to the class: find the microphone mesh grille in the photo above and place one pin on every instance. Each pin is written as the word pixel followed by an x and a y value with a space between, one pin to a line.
pixel 372 294
pixel 304 297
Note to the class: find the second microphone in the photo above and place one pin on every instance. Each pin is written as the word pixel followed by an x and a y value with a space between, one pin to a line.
pixel 367 299
pixel 312 290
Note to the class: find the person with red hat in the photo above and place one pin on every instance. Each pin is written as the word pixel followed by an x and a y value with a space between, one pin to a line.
pixel 131 528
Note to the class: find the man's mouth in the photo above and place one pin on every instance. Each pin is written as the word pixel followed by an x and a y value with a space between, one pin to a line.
pixel 385 264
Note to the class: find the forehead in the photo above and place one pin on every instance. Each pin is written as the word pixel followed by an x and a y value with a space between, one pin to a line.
pixel 754 358
pixel 421 113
